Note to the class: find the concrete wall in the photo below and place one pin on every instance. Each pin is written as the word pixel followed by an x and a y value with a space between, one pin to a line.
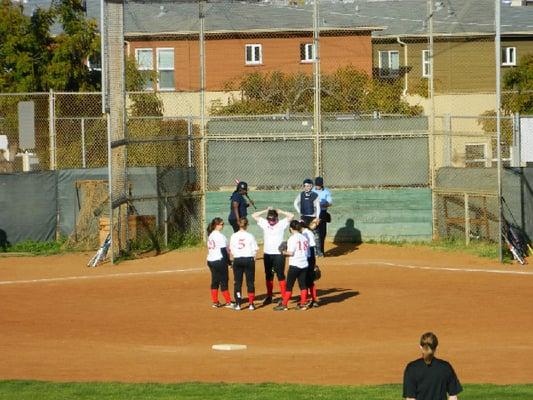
pixel 356 215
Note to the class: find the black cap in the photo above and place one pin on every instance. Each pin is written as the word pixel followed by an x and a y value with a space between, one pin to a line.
pixel 319 181
pixel 242 186
pixel 309 181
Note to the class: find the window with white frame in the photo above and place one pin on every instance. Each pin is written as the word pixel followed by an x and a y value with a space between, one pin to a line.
pixel 165 69
pixel 426 64
pixel 476 155
pixel 253 54
pixel 145 64
pixel 389 63
pixel 94 64
pixel 307 52
pixel 508 55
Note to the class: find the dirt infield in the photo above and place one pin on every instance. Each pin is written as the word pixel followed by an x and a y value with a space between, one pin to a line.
pixel 151 320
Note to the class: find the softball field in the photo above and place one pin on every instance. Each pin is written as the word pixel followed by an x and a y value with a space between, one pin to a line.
pixel 150 320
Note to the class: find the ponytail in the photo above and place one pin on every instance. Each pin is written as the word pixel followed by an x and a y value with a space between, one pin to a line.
pixel 429 343
pixel 214 222
pixel 243 223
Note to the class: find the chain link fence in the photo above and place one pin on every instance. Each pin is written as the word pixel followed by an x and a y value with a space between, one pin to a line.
pixel 367 96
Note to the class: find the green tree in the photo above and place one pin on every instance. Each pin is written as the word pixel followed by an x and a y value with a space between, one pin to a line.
pixel 24 44
pixel 517 98
pixel 346 90
pixel 32 60
pixel 77 43
pixel 519 82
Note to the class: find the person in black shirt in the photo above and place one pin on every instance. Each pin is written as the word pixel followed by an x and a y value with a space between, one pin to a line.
pixel 429 378
pixel 238 205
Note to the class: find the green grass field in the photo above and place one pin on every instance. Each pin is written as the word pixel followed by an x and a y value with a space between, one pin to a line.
pixel 26 390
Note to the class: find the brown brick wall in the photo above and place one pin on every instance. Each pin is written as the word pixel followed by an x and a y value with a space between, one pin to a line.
pixel 225 57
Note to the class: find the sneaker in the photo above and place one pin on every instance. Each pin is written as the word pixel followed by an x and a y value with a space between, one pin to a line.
pixel 237 307
pixel 281 307
pixel 229 305
pixel 301 307
pixel 267 301
pixel 216 305
pixel 251 307
pixel 315 304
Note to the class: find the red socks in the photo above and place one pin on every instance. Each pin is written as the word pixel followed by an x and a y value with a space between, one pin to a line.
pixel 282 287
pixel 214 295
pixel 314 293
pixel 270 288
pixel 227 296
pixel 286 298
pixel 251 297
pixel 303 297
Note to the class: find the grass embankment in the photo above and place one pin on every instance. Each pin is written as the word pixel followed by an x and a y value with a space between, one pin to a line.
pixel 26 390
pixel 476 248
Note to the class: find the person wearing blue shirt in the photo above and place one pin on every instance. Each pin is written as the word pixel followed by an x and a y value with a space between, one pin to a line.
pixel 238 205
pixel 325 199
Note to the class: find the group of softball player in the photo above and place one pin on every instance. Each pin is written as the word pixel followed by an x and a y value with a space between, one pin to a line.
pixel 242 249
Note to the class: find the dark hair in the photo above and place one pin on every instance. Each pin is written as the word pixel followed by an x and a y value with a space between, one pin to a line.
pixel 243 223
pixel 429 343
pixel 242 186
pixel 295 225
pixel 272 214
pixel 214 222
pixel 319 181
pixel 308 180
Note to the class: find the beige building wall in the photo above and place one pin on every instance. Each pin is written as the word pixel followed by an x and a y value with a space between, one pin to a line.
pixel 456 125
pixel 462 65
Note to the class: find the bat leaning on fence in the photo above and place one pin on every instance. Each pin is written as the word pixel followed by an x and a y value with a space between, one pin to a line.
pixel 101 253
pixel 513 247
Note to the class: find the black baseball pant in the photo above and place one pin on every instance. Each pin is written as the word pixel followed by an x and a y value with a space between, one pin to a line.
pixel 243 266
pixel 219 274
pixel 310 274
pixel 274 264
pixel 294 274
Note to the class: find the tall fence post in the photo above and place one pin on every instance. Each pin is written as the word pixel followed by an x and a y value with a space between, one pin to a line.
pixel 317 123
pixel 203 137
pixel 467 219
pixel 52 129
pixel 83 150
pixel 447 126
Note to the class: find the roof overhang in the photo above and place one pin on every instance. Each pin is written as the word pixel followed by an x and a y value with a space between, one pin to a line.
pixel 280 31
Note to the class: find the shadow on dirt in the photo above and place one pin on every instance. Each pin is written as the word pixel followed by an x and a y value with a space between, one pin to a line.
pixel 346 240
pixel 335 295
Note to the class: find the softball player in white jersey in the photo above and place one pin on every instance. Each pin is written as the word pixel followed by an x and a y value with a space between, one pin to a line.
pixel 218 261
pixel 311 260
pixel 243 248
pixel 297 246
pixel 273 234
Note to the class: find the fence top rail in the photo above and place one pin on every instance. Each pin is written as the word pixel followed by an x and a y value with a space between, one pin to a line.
pixel 476 117
pixel 463 192
pixel 50 92
pixel 332 115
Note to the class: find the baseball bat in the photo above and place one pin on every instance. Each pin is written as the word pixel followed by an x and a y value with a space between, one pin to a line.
pixel 248 197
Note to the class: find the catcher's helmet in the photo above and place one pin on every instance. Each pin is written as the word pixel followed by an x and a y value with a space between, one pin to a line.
pixel 242 186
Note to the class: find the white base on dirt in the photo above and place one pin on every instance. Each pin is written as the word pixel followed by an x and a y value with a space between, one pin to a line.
pixel 227 347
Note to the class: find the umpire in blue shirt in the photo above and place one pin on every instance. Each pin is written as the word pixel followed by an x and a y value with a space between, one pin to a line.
pixel 325 200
